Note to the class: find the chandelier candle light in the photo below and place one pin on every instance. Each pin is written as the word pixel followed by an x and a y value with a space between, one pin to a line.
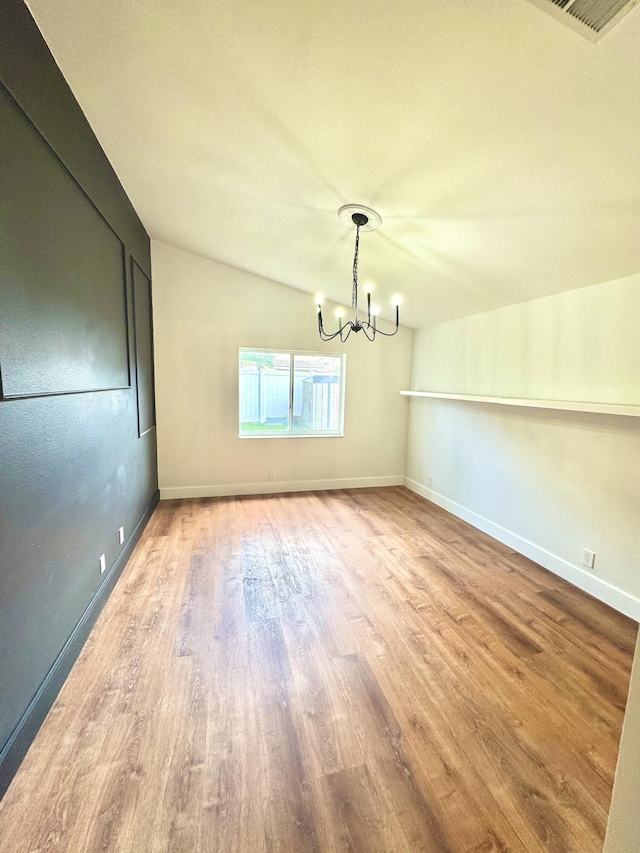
pixel 367 220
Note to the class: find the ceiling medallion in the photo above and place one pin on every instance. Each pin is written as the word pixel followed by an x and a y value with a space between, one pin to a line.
pixel 363 219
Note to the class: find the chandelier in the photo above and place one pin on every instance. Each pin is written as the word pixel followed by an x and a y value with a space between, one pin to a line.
pixel 368 220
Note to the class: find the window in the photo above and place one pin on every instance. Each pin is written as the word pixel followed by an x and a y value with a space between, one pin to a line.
pixel 289 394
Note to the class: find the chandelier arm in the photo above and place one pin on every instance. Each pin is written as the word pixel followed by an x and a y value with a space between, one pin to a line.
pixel 387 334
pixel 377 331
pixel 326 336
pixel 369 337
pixel 321 330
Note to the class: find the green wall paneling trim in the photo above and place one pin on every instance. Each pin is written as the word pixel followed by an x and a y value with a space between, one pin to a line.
pixel 63 313
pixel 143 334
pixel 30 74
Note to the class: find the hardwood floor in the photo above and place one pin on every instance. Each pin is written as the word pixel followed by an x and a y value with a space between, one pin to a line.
pixel 339 671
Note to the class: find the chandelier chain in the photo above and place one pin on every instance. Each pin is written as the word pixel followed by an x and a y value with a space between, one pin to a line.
pixel 354 290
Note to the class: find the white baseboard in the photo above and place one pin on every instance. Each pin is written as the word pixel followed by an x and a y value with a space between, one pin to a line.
pixel 275 486
pixel 622 601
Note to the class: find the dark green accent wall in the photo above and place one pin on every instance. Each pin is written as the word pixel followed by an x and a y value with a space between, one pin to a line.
pixel 77 435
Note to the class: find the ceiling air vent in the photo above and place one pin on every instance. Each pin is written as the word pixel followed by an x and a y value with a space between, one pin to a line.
pixel 591 18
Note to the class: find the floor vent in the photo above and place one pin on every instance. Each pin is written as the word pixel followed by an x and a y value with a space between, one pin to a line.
pixel 591 18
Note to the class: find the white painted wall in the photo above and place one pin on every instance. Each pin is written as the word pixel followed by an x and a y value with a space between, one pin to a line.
pixel 547 483
pixel 623 831
pixel 203 312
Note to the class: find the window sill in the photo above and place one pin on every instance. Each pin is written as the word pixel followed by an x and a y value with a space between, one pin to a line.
pixel 295 435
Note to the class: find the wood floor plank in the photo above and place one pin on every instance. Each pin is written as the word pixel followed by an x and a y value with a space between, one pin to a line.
pixel 326 672
pixel 234 803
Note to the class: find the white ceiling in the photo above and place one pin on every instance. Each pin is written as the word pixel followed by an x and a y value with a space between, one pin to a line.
pixel 501 149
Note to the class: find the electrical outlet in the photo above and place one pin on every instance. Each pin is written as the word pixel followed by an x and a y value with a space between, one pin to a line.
pixel 103 563
pixel 121 535
pixel 272 473
pixel 428 481
pixel 588 558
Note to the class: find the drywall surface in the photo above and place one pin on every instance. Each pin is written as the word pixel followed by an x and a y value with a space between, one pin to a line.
pixel 548 483
pixel 623 831
pixel 203 312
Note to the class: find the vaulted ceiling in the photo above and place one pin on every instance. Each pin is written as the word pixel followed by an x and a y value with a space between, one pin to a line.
pixel 501 149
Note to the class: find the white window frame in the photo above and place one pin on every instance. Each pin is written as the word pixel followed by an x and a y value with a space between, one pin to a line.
pixel 290 433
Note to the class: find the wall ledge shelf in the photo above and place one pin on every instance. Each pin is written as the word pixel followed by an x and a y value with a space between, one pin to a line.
pixel 530 403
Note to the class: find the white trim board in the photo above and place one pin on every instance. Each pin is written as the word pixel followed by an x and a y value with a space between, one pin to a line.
pixel 276 487
pixel 622 601
pixel 530 403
